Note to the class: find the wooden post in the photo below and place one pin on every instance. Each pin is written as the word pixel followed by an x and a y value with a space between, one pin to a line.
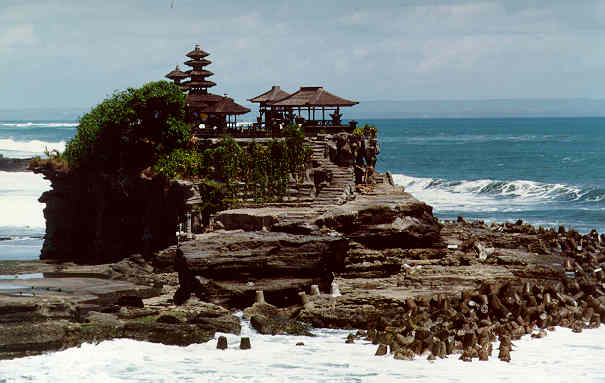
pixel 323 116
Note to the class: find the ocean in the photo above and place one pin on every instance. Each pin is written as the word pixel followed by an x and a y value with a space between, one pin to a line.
pixel 541 170
pixel 545 171
pixel 21 217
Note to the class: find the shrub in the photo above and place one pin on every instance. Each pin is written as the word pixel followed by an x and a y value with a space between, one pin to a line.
pixel 131 129
pixel 369 130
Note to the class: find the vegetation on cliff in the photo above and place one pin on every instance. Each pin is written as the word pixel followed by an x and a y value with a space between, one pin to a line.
pixel 131 129
pixel 144 129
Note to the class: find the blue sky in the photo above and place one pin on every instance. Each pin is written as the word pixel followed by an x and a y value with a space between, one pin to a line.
pixel 73 53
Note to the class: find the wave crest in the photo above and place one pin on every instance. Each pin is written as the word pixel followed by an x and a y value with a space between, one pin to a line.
pixel 493 195
pixel 40 124
pixel 21 149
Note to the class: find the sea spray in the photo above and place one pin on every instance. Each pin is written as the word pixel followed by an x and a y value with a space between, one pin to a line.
pixel 560 356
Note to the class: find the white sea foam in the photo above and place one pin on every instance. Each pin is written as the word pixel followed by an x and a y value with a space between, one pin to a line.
pixel 19 193
pixel 23 149
pixel 40 124
pixel 560 357
pixel 492 195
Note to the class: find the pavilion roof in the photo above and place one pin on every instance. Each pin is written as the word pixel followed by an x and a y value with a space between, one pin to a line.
pixel 313 96
pixel 212 103
pixel 270 96
pixel 228 106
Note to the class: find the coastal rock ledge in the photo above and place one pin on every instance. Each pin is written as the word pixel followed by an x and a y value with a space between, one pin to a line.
pixel 285 250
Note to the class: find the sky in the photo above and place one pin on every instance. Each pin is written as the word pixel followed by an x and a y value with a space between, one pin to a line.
pixel 74 53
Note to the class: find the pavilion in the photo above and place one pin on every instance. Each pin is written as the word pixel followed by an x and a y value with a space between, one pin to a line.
pixel 215 113
pixel 277 107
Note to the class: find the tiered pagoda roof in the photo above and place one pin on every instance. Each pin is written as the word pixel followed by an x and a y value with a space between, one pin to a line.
pixel 313 96
pixel 198 98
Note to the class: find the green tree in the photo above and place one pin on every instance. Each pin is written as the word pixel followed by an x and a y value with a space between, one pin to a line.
pixel 131 129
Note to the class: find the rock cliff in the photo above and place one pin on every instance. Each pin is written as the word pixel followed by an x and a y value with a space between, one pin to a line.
pixel 97 217
pixel 101 218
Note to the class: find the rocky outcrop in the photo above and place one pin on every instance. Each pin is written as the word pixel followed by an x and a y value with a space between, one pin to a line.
pixel 231 266
pixel 285 250
pixel 14 164
pixel 102 218
pixel 391 219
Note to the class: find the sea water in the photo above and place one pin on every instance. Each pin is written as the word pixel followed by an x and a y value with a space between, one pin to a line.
pixel 544 171
pixel 21 215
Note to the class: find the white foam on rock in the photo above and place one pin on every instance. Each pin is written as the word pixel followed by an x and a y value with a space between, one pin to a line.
pixel 561 356
pixel 24 149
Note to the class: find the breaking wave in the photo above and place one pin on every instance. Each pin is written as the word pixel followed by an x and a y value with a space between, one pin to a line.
pixel 22 149
pixel 493 195
pixel 40 124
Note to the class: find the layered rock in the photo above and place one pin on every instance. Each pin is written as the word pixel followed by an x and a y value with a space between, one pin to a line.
pixel 285 250
pixel 238 263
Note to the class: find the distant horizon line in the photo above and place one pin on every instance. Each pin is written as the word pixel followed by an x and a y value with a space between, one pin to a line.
pixel 368 100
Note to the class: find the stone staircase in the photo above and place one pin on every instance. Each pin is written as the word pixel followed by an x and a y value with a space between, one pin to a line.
pixel 341 183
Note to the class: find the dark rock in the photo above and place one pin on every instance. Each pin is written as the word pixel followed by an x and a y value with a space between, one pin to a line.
pixel 171 334
pixel 119 210
pixel 14 164
pixel 245 343
pixel 169 319
pixel 382 350
pixel 244 256
pixel 300 344
pixel 225 323
pixel 130 300
pixel 221 344
pixel 504 355
pixel 404 354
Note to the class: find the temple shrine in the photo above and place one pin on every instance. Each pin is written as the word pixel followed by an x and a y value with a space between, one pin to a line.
pixel 306 107
pixel 210 114
pixel 312 107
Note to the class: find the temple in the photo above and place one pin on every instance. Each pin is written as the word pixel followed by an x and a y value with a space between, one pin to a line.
pixel 312 107
pixel 306 107
pixel 210 114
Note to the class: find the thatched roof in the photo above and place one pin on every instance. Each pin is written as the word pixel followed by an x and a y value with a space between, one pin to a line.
pixel 198 63
pixel 272 95
pixel 314 96
pixel 199 84
pixel 201 72
pixel 177 74
pixel 212 103
pixel 228 106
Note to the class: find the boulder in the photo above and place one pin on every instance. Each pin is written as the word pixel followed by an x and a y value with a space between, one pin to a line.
pixel 244 261
pixel 225 323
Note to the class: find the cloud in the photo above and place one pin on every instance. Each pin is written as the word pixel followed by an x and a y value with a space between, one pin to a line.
pixel 76 52
pixel 17 36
